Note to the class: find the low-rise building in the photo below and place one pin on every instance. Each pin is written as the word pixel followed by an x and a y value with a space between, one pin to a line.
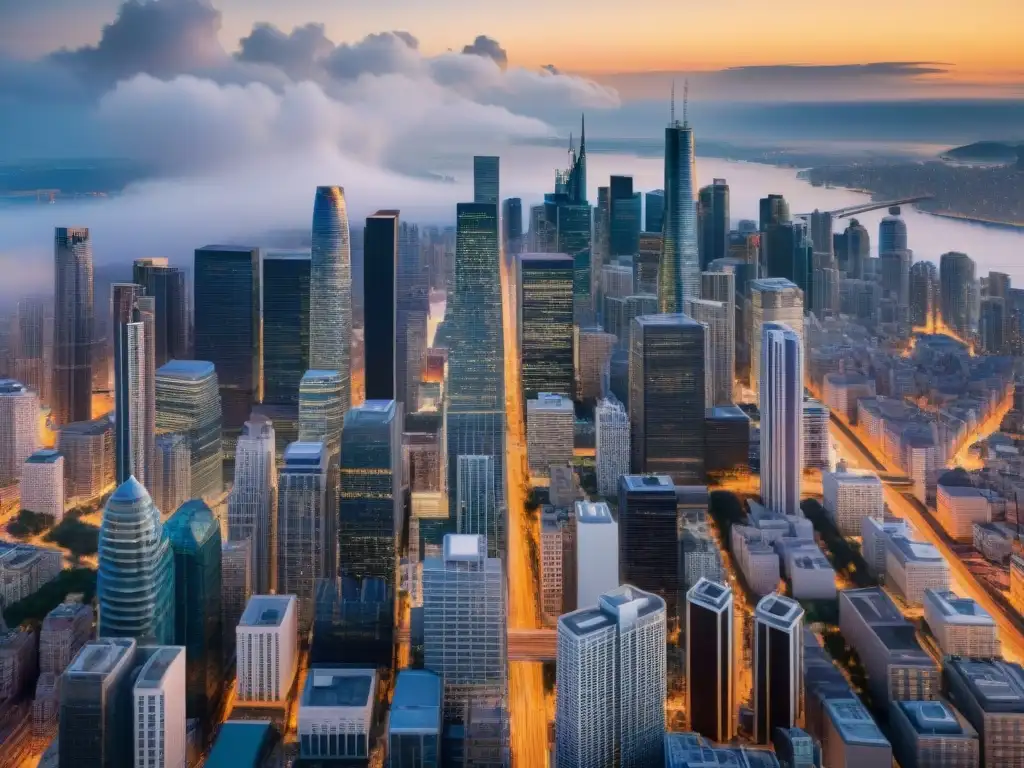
pixel 756 558
pixel 25 568
pixel 267 650
pixel 18 662
pixel 960 625
pixel 959 507
pixel 849 497
pixel 842 391
pixel 875 534
pixel 852 738
pixel 336 712
pixel 990 694
pixel 914 566
pixel 932 734
pixel 994 541
pixel 812 578
pixel 65 630
pixel 42 484
pixel 415 722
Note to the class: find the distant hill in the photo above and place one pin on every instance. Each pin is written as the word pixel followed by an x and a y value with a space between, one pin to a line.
pixel 983 152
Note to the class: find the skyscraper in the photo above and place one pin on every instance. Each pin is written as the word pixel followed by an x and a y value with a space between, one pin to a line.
pixel 307 543
pixel 714 222
pixel 512 224
pixel 545 324
pixel 167 285
pixel 135 582
pixel 667 397
pixel 709 661
pixel 611 424
pixel 782 437
pixel 895 269
pixel 774 210
pixel 380 250
pixel 485 180
pixel 855 251
pixel 19 428
pixel 33 347
pixel 772 300
pixel 624 217
pixel 235 589
pixel 680 260
pixel 720 363
pixel 464 632
pixel 172 472
pixel 285 301
pixel 413 308
pixel 993 323
pixel 147 314
pixel 330 285
pixel 892 232
pixel 252 505
pixel 956 277
pixel 72 326
pixel 130 397
pixel 188 401
pixel 610 707
pixel 477 513
pixel 778 665
pixel 654 205
pixel 321 413
pixel 194 534
pixel 788 253
pixel 159 708
pixel 720 285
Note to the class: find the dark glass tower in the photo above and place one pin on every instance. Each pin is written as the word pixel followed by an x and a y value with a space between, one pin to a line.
pixel 574 238
pixel 714 222
pixel 624 217
pixel 667 397
pixel 486 179
pixel 789 254
pixel 924 281
pixel 194 534
pixel 854 249
pixel 227 329
pixel 654 203
pixel 72 326
pixel 956 278
pixel 380 250
pixel 413 308
pixel 512 222
pixel 709 660
pixel 778 666
pixel 649 546
pixel 679 276
pixel 168 287
pixel 773 210
pixel 285 287
pixel 546 324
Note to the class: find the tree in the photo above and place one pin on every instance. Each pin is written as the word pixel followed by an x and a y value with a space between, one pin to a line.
pixel 80 538
pixel 35 607
pixel 727 510
pixel 28 524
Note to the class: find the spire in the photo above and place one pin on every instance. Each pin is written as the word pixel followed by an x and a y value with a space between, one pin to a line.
pixel 583 133
pixel 686 100
pixel 672 105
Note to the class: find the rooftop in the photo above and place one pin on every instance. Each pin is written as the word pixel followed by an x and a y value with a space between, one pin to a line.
pixel 901 641
pixel 240 743
pixel 934 718
pixel 874 606
pixel 593 512
pixel 248 249
pixel 267 610
pixel 779 611
pixel 558 260
pixel 319 374
pixel 464 546
pixel 812 563
pixel 303 453
pixel 154 670
pixel 856 478
pixel 908 550
pixel 854 723
pixel 129 492
pixel 656 483
pixel 772 284
pixel 724 412
pixel 416 704
pixel 710 594
pixel 958 610
pixel 962 491
pixel 586 621
pixel 546 401
pixel 44 456
pixel 371 412
pixel 678 320
pixel 339 687
pixel 192 370
pixel 998 686
pixel 101 657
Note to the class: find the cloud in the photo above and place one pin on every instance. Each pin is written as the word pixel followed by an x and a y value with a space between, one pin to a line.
pixel 489 48
pixel 551 68
pixel 377 54
pixel 299 54
pixel 816 71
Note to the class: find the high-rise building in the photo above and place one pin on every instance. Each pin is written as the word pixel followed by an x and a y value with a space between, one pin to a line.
pixel 321 411
pixel 380 255
pixel 42 484
pixel 33 347
pixel 415 722
pixel 330 296
pixel 646 263
pixel 649 537
pixel 477 513
pixel 188 402
pixel 194 534
pixel 773 210
pixel 65 630
pixel 680 260
pixel 252 505
pixel 782 417
pixel 72 327
pixel 168 286
pixel 88 450
pixel 19 428
pixel 778 665
pixel 131 388
pixel 611 423
pixel 990 694
pixel 413 308
pixel 474 434
pixel 667 397
pixel 993 325
pixel 486 179
pixel 512 224
pixel 924 304
pixel 854 250
pixel 285 286
pixel 709 660
pixel 892 232
pixel 550 421
pixel 464 633
pixel 159 708
pixel 720 363
pixel 623 217
pixel 596 552
pixel 654 210
pixel 714 222
pixel 787 252
pixel 267 639
pixel 610 707
pixel 956 278
pixel 850 497
pixel 135 582
pixel 147 313
pixel 772 300
pixel 307 543
pixel 235 589
pixel 545 307
pixel 172 472
pixel 227 330
pixel 895 269
pixel 96 706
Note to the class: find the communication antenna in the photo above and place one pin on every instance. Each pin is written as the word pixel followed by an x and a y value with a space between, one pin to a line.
pixel 672 105
pixel 686 99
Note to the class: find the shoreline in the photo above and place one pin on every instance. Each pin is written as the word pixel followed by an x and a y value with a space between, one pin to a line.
pixel 1008 225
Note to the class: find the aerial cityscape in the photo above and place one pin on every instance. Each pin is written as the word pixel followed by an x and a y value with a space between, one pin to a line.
pixel 652 458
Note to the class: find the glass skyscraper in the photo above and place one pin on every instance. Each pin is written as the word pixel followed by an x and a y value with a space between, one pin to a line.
pixel 680 262
pixel 624 217
pixel 194 534
pixel 135 582
pixel 72 326
pixel 474 490
pixel 167 286
pixel 330 302
pixel 956 281
pixel 412 310
pixel 782 434
pixel 380 250
pixel 188 401
pixel 714 222
pixel 486 179
pixel 321 412
pixel 285 285
pixel 546 324
pixel 131 384
pixel 252 505
pixel 654 201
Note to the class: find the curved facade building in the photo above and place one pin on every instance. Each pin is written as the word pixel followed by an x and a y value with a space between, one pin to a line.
pixel 135 584
pixel 330 295
pixel 679 276
pixel 72 326
pixel 892 233
pixel 188 401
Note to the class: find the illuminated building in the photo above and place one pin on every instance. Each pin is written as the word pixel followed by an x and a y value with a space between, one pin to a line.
pixel 612 438
pixel 679 277
pixel 235 589
pixel 593 351
pixel 924 304
pixel 330 289
pixel 88 450
pixel 252 504
pixel 850 497
pixel 720 357
pixel 931 733
pixel 168 287
pixel 990 694
pixel 268 653
pixel 132 432
pixel 73 326
pixel 782 448
pixel 188 402
pixel 172 472
pixel 412 310
pixel 960 625
pixel 158 707
pixel 956 287
pixel 545 324
pixel 285 299
pixel 773 300
pixel 477 513
pixel 550 420
pixel 42 484
pixel 19 428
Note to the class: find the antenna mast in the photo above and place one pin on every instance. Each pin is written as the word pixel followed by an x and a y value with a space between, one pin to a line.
pixel 686 99
pixel 672 105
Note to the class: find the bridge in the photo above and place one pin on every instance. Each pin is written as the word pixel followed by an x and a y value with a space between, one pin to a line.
pixel 853 210
pixel 522 644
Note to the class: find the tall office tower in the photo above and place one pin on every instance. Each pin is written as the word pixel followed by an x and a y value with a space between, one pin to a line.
pixel 924 278
pixel 19 428
pixel 602 227
pixel 42 484
pixel 159 709
pixel 621 312
pixel 130 398
pixel 721 286
pixel 993 322
pixel 72 327
pixel 227 330
pixel 667 397
pixel 892 232
pixel 895 269
pixel 88 450
pixel 194 534
pixel 709 661
pixel 370 511
pixel 550 422
pixel 172 472
pixel 623 217
pixel 545 305
pixel 788 253
pixel 168 286
pixel 321 414
pixel 855 250
pixel 330 290
pixel 826 284
pixel 380 249
pixel 542 232
pixel 773 210
pixel 96 706
pixel 474 490
pixel 147 313
pixel 649 537
pixel 512 224
pixel 782 417
pixel 235 589
pixel 612 456
pixel 413 308
pixel 714 222
pixel 574 238
pixel 610 708
pixel 778 665
pixel 720 361
pixel 998 284
pixel 956 278
pixel 772 300
pixel 654 205
pixel 485 179
pixel 592 352
pixel 285 301
pixel 307 545
pixel 464 633
pixel 822 242
pixel 590 552
pixel 679 276
pixel 188 401
pixel 647 262
pixel 267 639
pixel 252 505
pixel 135 582
pixel 33 347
